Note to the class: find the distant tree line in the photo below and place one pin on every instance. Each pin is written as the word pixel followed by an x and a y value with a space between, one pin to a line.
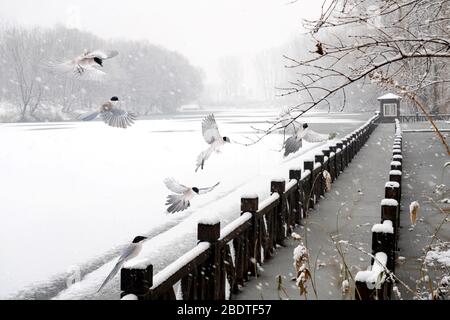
pixel 149 79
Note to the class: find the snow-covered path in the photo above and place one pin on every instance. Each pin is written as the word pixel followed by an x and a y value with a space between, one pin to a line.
pixel 73 194
pixel 349 210
pixel 424 158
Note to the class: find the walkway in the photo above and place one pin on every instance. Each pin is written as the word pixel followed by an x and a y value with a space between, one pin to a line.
pixel 423 161
pixel 350 209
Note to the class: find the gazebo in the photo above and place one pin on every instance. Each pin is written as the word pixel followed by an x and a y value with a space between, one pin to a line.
pixel 389 107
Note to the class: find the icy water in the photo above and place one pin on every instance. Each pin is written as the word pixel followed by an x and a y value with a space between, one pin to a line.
pixel 73 194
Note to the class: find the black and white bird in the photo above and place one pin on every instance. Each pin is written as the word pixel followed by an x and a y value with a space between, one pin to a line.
pixel 211 134
pixel 86 66
pixel 131 251
pixel 183 195
pixel 111 114
pixel 294 143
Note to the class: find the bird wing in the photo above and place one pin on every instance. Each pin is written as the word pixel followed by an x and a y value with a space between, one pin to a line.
pixel 202 157
pixel 312 136
pixel 88 116
pixel 62 67
pixel 210 130
pixel 102 54
pixel 71 69
pixel 92 74
pixel 177 202
pixel 206 190
pixel 175 186
pixel 292 145
pixel 129 251
pixel 118 118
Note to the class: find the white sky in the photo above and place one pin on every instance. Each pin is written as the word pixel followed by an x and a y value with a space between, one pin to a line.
pixel 202 30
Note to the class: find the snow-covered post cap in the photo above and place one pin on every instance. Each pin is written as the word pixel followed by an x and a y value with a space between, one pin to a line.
pixel 389 202
pixel 385 227
pixel 397 157
pixel 396 166
pixel 209 232
pixel 392 184
pixel 395 175
pixel 396 163
pixel 389 211
pixel 211 220
pixel 392 190
pixel 249 203
pixel 368 281
pixel 129 297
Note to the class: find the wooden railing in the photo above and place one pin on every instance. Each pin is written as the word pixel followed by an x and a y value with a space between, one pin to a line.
pixel 384 235
pixel 422 117
pixel 225 259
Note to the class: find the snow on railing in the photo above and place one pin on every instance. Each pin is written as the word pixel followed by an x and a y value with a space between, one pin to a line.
pixel 372 284
pixel 225 258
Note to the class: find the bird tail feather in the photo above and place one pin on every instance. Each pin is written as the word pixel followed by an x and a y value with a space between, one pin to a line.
pixel 176 203
pixel 89 116
pixel 202 157
pixel 111 275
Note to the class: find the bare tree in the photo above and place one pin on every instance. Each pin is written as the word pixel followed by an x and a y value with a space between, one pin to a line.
pixel 400 43
pixel 24 57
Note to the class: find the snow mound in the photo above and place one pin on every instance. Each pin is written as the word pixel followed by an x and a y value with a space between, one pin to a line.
pixel 389 202
pixel 385 227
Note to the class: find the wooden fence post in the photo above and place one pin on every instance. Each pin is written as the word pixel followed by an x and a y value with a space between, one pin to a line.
pixel 279 187
pixel 396 165
pixel 345 154
pixel 353 144
pixel 309 165
pixel 396 175
pixel 214 288
pixel 333 168
pixel 319 158
pixel 383 241
pixel 362 292
pixel 136 281
pixel 297 175
pixel 397 157
pixel 250 204
pixel 390 211
pixel 392 190
pixel 340 160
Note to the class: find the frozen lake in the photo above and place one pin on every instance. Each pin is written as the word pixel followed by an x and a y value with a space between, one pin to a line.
pixel 72 194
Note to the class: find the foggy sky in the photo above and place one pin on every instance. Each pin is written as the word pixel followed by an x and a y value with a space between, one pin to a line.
pixel 203 30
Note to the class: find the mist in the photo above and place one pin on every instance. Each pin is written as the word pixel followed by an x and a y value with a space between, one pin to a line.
pixel 227 43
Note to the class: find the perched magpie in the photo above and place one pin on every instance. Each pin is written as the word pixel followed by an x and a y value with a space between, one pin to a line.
pixel 131 251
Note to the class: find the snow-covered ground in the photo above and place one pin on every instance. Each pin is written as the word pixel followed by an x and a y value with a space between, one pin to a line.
pixel 73 194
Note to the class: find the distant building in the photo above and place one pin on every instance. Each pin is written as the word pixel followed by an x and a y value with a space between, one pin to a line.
pixel 389 107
